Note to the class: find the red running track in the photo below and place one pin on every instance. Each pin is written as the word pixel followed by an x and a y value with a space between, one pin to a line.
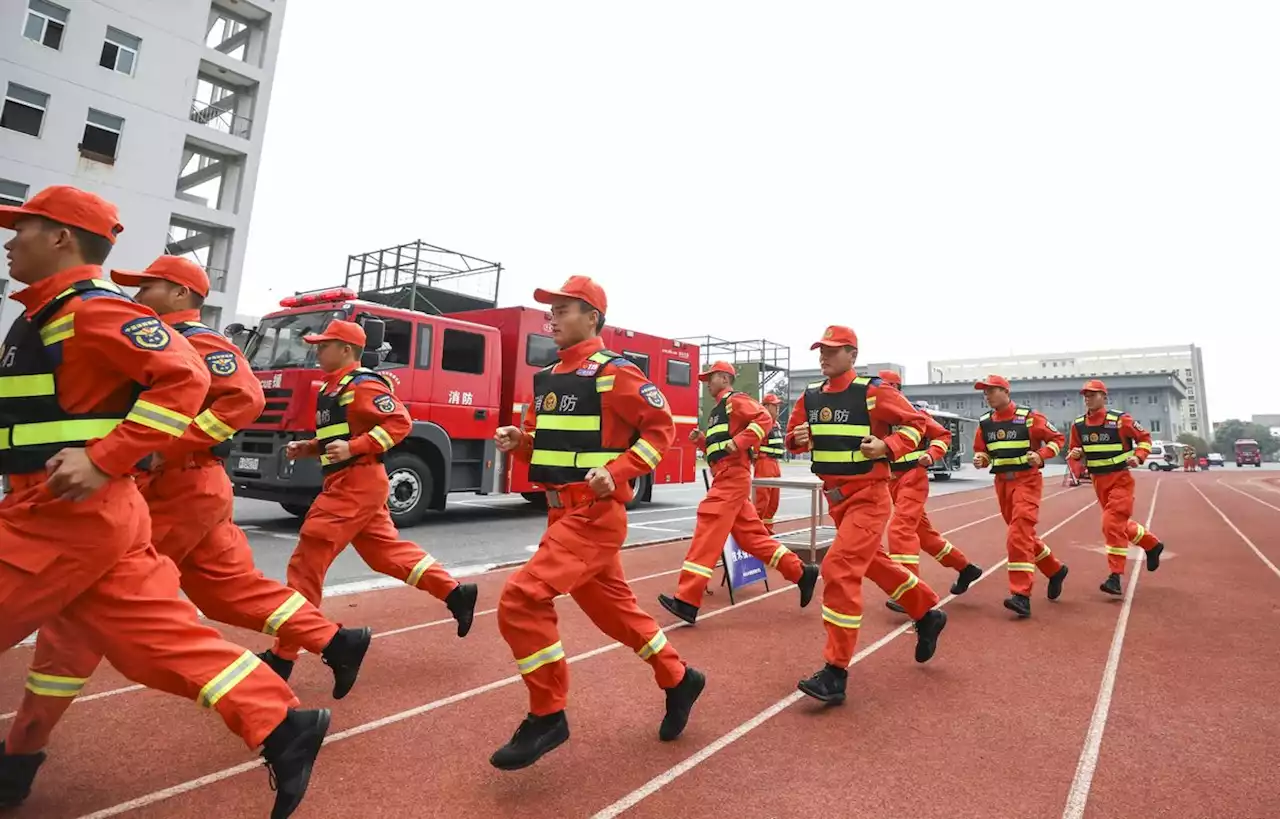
pixel 1152 705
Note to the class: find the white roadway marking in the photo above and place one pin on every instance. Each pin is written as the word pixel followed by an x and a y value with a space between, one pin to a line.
pixel 1078 796
pixel 1249 495
pixel 1240 534
pixel 667 777
pixel 227 773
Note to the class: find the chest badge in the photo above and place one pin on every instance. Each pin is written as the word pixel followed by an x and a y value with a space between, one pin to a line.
pixel 549 403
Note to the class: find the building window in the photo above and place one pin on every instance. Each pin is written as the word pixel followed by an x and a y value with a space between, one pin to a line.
pixel 24 109
pixel 45 23
pixel 1153 399
pixel 12 194
pixel 1155 425
pixel 101 136
pixel 119 51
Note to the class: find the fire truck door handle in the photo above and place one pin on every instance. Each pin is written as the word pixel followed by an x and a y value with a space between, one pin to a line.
pixel 481 414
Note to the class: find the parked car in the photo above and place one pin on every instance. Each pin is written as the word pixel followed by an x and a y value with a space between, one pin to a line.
pixel 1215 459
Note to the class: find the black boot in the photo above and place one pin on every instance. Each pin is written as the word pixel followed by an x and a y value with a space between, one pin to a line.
pixel 462 604
pixel 1112 585
pixel 679 608
pixel 894 605
pixel 808 580
pixel 927 630
pixel 680 700
pixel 968 575
pixel 1019 604
pixel 827 684
pixel 1153 557
pixel 290 752
pixel 1055 583
pixel 535 737
pixel 344 654
pixel 282 667
pixel 17 772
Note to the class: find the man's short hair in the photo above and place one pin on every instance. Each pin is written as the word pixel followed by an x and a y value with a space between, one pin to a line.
pixel 600 321
pixel 94 249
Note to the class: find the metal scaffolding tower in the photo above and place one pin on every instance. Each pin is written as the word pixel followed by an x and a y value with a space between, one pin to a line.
pixel 419 276
pixel 763 366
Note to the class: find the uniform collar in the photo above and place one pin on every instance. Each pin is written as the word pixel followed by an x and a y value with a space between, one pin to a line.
pixel 35 296
pixel 1006 413
pixel 839 382
pixel 334 377
pixel 720 395
pixel 180 316
pixel 576 353
pixel 1096 415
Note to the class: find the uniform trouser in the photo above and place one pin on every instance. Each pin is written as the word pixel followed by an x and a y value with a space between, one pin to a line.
pixel 352 508
pixel 1115 496
pixel 1019 496
pixel 910 530
pixel 88 569
pixel 726 509
pixel 191 524
pixel 579 555
pixel 860 521
pixel 767 498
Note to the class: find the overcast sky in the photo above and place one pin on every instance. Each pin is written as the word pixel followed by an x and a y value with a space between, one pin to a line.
pixel 951 179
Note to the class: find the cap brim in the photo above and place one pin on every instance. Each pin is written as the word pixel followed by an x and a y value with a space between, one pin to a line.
pixel 549 296
pixel 313 338
pixel 131 278
pixel 10 214
pixel 982 385
pixel 815 345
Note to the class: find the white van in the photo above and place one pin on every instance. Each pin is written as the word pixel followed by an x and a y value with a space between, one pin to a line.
pixel 1165 456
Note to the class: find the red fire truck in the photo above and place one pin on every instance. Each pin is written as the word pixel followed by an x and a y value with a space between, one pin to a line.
pixel 461 375
pixel 1248 452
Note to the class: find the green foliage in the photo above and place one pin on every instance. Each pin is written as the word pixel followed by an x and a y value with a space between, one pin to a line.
pixel 1194 441
pixel 1226 433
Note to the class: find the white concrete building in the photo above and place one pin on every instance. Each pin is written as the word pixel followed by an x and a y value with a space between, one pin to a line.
pixel 1184 360
pixel 159 106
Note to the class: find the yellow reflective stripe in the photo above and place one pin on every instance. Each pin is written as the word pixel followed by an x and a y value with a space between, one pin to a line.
pixel 913 455
pixel 756 428
pixel 551 654
pixel 1054 447
pixel 227 679
pixel 1119 551
pixel 51 685
pixel 382 437
pixel 58 330
pixel 604 383
pixel 778 553
pixel 1139 534
pixel 56 432
pixel 913 560
pixel 1103 447
pixel 1009 461
pixel 1044 553
pixel 559 457
pixel 652 647
pixel 27 386
pixel 841 430
pixel 907 585
pixel 158 418
pixel 835 618
pixel 1008 445
pixel 213 426
pixel 694 568
pixel 773 450
pixel 940 445
pixel 944 551
pixel 841 457
pixel 718 429
pixel 281 615
pixel 572 423
pixel 346 398
pixel 647 452
pixel 600 358
pixel 717 446
pixel 1021 567
pixel 419 570
pixel 910 432
pixel 871 402
pixel 333 430
pixel 1144 445
pixel 1115 459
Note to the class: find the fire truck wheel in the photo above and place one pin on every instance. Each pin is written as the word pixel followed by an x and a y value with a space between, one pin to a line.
pixel 295 509
pixel 412 486
pixel 638 487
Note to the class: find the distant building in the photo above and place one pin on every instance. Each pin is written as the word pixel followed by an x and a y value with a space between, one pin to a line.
pixel 1271 422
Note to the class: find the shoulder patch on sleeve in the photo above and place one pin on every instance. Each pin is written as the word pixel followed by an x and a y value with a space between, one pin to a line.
pixel 653 395
pixel 1136 425
pixel 221 362
pixel 146 333
pixel 385 402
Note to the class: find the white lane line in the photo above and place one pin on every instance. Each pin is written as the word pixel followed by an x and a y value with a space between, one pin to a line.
pixel 1240 534
pixel 1249 495
pixel 1078 796
pixel 667 777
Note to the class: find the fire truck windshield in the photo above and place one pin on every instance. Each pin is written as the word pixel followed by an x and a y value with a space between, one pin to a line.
pixel 278 343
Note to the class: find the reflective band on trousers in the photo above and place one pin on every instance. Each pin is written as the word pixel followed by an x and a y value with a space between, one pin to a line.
pixel 551 654
pixel 281 615
pixel 835 618
pixel 51 685
pixel 652 647
pixel 227 679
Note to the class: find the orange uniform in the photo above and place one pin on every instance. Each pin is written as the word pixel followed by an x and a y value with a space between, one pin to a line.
pixel 768 464
pixel 1108 439
pixel 1007 436
pixel 358 405
pixel 736 425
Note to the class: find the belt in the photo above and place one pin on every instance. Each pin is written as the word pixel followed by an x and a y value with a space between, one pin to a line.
pixel 578 494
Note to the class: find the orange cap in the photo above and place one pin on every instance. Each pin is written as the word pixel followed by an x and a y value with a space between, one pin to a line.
pixel 170 269
pixel 992 381
pixel 339 330
pixel 70 206
pixel 771 399
pixel 1093 385
pixel 577 287
pixel 836 336
pixel 718 367
pixel 890 377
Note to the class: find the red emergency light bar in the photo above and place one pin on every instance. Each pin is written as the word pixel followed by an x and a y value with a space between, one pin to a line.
pixel 318 297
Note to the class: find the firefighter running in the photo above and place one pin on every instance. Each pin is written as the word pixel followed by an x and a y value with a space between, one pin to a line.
pixel 847 424
pixel 768 464
pixel 1015 442
pixel 597 424
pixel 910 530
pixel 737 424
pixel 1109 443
pixel 90 384
pixel 358 418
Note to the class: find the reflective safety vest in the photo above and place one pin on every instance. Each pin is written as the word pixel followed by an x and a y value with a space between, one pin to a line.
pixel 838 421
pixel 1008 442
pixel 331 416
pixel 195 328
pixel 33 425
pixel 718 433
pixel 1105 450
pixel 567 438
pixel 912 459
pixel 775 446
